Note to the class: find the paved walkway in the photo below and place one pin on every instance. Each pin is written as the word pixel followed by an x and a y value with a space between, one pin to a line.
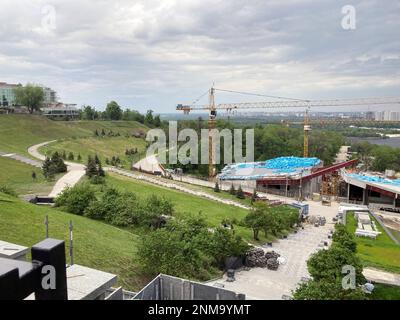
pixel 380 276
pixel 75 170
pixel 261 283
pixel 22 159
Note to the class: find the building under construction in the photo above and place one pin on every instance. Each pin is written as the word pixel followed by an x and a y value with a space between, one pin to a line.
pixel 287 176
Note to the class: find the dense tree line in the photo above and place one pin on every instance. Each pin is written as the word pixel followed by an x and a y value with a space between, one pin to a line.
pixel 270 141
pixel 377 157
pixel 114 111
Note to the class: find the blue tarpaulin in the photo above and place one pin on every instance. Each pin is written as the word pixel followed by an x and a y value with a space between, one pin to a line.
pixel 375 179
pixel 279 165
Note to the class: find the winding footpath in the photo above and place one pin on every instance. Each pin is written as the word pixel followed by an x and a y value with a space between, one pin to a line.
pixel 75 171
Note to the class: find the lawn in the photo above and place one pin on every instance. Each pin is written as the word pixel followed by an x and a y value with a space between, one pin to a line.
pixel 385 292
pixel 18 176
pixel 18 132
pixel 381 253
pixel 96 244
pixel 214 212
pixel 104 147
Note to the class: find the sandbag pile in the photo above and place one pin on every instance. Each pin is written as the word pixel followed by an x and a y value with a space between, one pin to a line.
pixel 257 258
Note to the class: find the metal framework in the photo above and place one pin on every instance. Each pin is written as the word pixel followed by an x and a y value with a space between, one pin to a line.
pixel 286 103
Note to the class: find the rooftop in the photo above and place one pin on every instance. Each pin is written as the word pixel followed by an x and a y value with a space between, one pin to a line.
pixel 361 180
pixel 290 167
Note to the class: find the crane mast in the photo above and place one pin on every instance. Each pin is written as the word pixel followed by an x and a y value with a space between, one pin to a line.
pixel 288 103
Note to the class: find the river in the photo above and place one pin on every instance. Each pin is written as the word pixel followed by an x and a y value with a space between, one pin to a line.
pixel 392 141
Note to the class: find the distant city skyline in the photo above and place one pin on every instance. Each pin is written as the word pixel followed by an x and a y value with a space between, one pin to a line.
pixel 156 54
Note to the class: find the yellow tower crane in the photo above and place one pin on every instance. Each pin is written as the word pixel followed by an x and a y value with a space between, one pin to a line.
pixel 282 104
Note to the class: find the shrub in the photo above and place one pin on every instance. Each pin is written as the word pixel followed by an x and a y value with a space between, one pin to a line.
pixel 240 193
pixel 76 199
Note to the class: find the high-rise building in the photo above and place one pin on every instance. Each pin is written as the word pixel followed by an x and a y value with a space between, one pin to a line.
pixel 7 97
pixel 388 115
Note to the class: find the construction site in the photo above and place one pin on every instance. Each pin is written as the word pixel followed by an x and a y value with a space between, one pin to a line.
pixel 302 177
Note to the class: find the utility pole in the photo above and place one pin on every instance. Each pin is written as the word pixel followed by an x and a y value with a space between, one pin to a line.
pixel 286 193
pixel 211 127
pixel 71 242
pixel 46 223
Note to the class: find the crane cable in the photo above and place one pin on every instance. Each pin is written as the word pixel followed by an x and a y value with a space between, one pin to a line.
pixel 261 95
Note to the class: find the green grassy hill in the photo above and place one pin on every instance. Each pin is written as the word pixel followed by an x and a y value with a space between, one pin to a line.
pixel 214 212
pixel 97 244
pixel 104 147
pixel 18 176
pixel 18 132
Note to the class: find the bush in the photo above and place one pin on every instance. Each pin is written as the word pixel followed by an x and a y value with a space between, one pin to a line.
pixel 76 199
pixel 53 165
pixel 344 238
pixel 186 248
pixel 240 193
pixel 125 208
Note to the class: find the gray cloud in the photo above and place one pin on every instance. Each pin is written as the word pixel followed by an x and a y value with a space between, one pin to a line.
pixel 159 53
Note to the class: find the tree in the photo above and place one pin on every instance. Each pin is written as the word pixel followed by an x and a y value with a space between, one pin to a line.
pixel 157 121
pixel 326 269
pixel 254 196
pixel 76 199
pixel 71 156
pixel 113 111
pixel 148 119
pixel 255 220
pixel 91 167
pixel 344 238
pixel 88 113
pixel 31 96
pixel 79 158
pixel 240 193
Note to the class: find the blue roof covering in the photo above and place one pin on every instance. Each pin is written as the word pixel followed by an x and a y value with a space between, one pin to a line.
pixel 281 165
pixel 375 179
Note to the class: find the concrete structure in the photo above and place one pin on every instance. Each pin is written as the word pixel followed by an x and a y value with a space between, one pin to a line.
pixel 388 115
pixel 372 189
pixel 299 181
pixel 61 111
pixel 165 287
pixel 7 97
pixel 13 251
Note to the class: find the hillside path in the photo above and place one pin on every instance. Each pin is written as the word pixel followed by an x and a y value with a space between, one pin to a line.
pixel 75 170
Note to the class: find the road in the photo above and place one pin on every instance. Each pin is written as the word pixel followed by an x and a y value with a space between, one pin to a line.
pixel 75 171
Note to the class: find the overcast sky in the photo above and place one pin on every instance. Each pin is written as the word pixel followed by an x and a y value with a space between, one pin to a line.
pixel 155 54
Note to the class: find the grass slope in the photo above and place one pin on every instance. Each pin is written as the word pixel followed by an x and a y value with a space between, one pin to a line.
pixel 97 245
pixel 214 212
pixel 382 253
pixel 18 132
pixel 18 176
pixel 104 147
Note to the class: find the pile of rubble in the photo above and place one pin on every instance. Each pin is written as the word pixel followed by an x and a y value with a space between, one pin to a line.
pixel 257 258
